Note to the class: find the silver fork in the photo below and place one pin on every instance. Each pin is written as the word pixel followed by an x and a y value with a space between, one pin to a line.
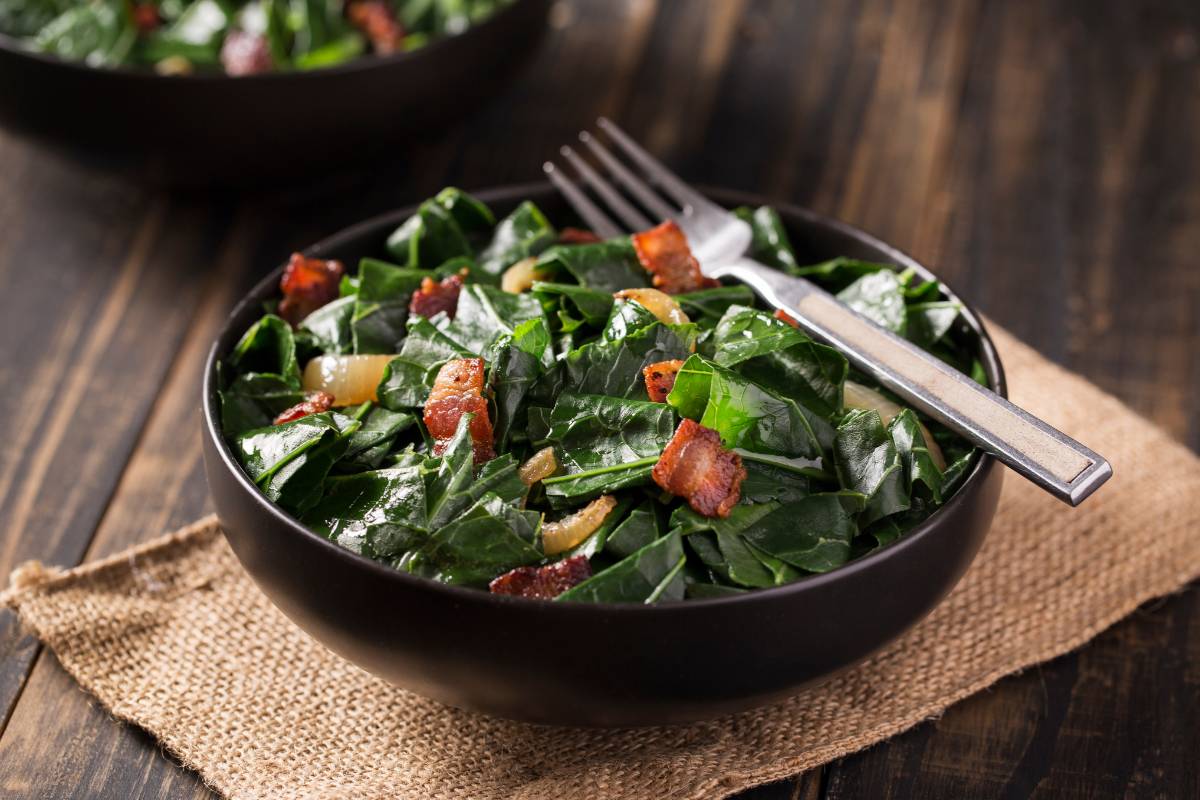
pixel 720 241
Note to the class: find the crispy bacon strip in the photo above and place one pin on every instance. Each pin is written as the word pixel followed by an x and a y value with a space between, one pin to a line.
pixel 313 403
pixel 245 53
pixel 577 236
pixel 784 316
pixel 436 296
pixel 660 379
pixel 374 18
pixel 696 467
pixel 307 284
pixel 543 582
pixel 665 254
pixel 458 390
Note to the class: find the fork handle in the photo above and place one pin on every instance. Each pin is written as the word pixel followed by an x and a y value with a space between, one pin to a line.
pixel 1044 455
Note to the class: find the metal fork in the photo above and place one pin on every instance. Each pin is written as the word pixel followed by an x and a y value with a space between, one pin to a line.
pixel 720 242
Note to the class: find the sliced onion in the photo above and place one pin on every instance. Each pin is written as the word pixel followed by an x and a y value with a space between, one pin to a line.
pixel 660 304
pixel 520 276
pixel 174 65
pixel 858 396
pixel 560 536
pixel 350 379
pixel 541 464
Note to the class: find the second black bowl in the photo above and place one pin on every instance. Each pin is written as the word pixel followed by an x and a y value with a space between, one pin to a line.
pixel 581 664
pixel 205 129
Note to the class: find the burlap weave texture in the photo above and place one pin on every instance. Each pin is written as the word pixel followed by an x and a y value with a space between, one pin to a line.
pixel 175 638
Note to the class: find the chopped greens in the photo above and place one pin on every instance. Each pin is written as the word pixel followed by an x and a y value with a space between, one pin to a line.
pixel 503 434
pixel 239 37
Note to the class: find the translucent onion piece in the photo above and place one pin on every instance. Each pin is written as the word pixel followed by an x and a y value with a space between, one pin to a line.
pixel 350 379
pixel 560 536
pixel 858 396
pixel 660 304
pixel 520 276
pixel 174 65
pixel 541 464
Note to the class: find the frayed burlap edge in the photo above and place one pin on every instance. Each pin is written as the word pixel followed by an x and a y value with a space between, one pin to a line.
pixel 32 578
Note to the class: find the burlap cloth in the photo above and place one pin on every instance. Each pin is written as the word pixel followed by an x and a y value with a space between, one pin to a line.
pixel 174 637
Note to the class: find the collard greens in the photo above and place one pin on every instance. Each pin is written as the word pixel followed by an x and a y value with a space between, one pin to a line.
pixel 824 483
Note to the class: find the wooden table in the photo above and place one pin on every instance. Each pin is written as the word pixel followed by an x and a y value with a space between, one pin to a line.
pixel 1044 157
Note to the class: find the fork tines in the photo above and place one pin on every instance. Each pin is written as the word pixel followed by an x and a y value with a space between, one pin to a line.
pixel 630 216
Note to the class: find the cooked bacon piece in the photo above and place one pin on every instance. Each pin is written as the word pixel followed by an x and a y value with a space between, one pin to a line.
pixel 456 377
pixel 307 284
pixel 436 296
pixel 665 254
pixel 784 316
pixel 377 22
pixel 577 236
pixel 313 403
pixel 545 582
pixel 660 379
pixel 145 17
pixel 458 390
pixel 245 53
pixel 696 467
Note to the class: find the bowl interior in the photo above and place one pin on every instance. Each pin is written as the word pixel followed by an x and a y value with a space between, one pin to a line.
pixel 814 237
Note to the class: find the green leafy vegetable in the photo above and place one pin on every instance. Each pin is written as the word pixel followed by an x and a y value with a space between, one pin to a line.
pixel 643 576
pixel 517 364
pixel 770 243
pixel 379 514
pixel 603 266
pixel 428 238
pixel 615 367
pixel 574 305
pixel 489 538
pixel 868 462
pixel 329 326
pixel 408 378
pixel 604 444
pixel 714 302
pixel 381 305
pixel 563 368
pixel 776 356
pixel 879 297
pixel 639 529
pixel 523 233
pixel 485 313
pixel 269 348
pixel 919 466
pixel 190 34
pixel 627 316
pixel 812 534
pixel 743 413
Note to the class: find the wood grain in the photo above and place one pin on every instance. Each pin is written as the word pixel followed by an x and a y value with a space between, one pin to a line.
pixel 1043 157
pixel 95 320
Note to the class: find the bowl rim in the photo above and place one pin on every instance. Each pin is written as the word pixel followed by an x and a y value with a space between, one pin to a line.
pixel 12 46
pixel 227 337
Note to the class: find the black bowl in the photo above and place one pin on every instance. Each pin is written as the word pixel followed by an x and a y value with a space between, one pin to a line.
pixel 208 129
pixel 580 664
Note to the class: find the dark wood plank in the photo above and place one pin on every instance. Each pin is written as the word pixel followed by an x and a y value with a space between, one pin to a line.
pixel 93 322
pixel 163 487
pixel 803 787
pixel 1118 718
